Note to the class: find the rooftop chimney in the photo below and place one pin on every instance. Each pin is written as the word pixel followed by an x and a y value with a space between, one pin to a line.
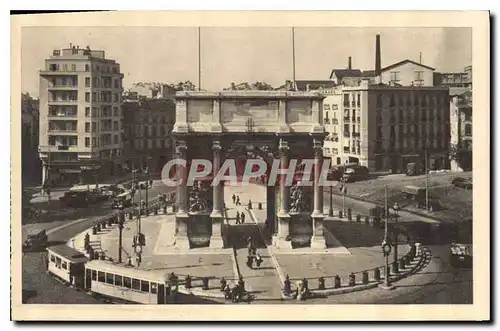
pixel 349 66
pixel 378 65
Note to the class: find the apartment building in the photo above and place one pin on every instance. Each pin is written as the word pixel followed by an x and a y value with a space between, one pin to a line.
pixel 386 127
pixel 332 111
pixel 31 165
pixel 461 129
pixel 147 126
pixel 80 120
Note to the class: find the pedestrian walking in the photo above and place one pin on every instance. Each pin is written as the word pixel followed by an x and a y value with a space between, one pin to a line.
pixel 258 260
pixel 250 259
pixel 238 217
pixel 234 199
pixel 242 218
pixel 238 201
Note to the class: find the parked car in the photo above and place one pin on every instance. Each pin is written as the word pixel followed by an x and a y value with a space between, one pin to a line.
pixel 122 200
pixel 76 199
pixel 356 173
pixel 413 169
pixel 462 182
pixel 460 255
pixel 413 192
pixel 36 240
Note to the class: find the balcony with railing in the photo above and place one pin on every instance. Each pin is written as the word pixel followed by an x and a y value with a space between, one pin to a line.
pixel 335 121
pixel 346 149
pixel 356 134
pixel 326 121
pixel 346 119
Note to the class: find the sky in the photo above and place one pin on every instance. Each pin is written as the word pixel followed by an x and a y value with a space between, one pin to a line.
pixel 240 54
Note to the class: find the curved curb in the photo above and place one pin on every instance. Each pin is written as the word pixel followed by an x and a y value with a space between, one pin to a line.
pixel 423 260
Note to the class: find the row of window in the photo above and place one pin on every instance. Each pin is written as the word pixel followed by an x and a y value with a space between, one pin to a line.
pixel 106 125
pixel 126 282
pixel 58 262
pixel 104 82
pixel 86 67
pixel 104 96
pixel 151 143
pixel 104 111
pixel 418 76
pixel 96 141
pixel 411 98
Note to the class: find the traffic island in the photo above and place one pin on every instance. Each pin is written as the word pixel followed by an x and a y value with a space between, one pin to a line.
pixel 354 282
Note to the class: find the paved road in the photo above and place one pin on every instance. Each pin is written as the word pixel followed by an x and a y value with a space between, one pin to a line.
pixel 38 287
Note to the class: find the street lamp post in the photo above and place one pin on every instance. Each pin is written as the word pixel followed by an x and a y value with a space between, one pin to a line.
pixel 426 183
pixel 121 221
pixel 330 210
pixel 395 230
pixel 386 249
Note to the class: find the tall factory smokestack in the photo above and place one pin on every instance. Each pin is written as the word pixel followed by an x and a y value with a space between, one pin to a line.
pixel 378 65
pixel 349 65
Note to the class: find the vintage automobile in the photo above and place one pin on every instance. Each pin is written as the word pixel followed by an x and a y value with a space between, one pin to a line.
pixel 122 200
pixel 353 174
pixel 413 169
pixel 462 183
pixel 460 255
pixel 36 240
pixel 75 199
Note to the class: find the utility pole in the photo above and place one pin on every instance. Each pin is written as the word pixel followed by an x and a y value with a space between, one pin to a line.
pixel 386 249
pixel 293 57
pixel 426 184
pixel 199 58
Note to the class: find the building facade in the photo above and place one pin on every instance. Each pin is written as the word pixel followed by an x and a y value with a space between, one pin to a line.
pixel 407 73
pixel 30 115
pixel 461 129
pixel 386 127
pixel 147 126
pixel 80 119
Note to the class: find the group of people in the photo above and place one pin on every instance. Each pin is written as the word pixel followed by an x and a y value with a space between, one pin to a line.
pixel 253 256
pixel 240 218
pixel 236 200
pixel 237 293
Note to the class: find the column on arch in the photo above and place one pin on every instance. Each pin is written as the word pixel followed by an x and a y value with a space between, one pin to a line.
pixel 216 240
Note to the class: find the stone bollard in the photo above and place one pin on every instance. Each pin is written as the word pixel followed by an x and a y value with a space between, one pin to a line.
pixel 352 279
pixel 395 267
pixel 260 205
pixel 98 227
pixel 340 214
pixel 401 264
pixel 110 221
pixel 376 274
pixel 349 214
pixel 336 281
pixel 358 218
pixel 223 284
pixel 321 283
pixel 365 277
pixel 187 282
pixel 94 230
pixel 249 204
pixel 164 209
pixel 204 283
pixel 103 225
pixel 367 220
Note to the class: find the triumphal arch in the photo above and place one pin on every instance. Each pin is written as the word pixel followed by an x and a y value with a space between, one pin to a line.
pixel 269 125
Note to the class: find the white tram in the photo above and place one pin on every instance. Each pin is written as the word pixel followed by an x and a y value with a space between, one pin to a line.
pixel 126 283
pixel 67 264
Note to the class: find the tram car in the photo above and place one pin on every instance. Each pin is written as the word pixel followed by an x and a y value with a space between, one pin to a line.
pixel 67 264
pixel 126 284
